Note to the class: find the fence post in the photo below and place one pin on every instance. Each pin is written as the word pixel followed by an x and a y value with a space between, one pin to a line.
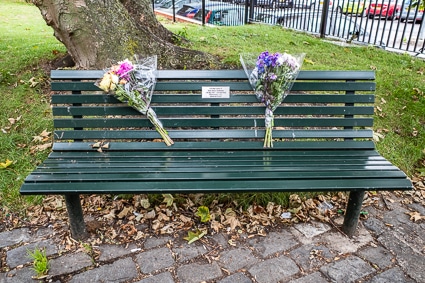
pixel 246 12
pixel 203 12
pixel 325 11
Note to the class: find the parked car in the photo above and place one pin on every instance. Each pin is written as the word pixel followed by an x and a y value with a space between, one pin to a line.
pixel 223 15
pixel 387 9
pixel 158 3
pixel 411 12
pixel 336 25
pixel 355 7
pixel 305 4
pixel 168 5
pixel 190 10
pixel 275 3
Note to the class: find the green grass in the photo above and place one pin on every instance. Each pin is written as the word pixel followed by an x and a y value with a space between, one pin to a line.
pixel 27 43
pixel 40 262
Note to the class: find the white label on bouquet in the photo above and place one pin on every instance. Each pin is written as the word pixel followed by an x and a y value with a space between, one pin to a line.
pixel 215 92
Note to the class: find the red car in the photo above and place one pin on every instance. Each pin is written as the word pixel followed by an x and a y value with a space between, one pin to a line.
pixel 384 9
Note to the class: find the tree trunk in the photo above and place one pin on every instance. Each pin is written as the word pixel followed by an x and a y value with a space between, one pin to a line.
pixel 97 34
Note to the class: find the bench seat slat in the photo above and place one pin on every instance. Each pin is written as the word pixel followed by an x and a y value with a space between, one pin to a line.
pixel 165 163
pixel 240 98
pixel 208 122
pixel 213 110
pixel 148 146
pixel 219 154
pixel 190 176
pixel 214 134
pixel 234 86
pixel 216 74
pixel 216 186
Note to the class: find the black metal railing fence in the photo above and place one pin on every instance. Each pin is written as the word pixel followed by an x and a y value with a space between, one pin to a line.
pixel 393 24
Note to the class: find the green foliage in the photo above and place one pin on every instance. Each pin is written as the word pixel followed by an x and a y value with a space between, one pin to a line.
pixel 204 213
pixel 40 262
pixel 168 199
pixel 194 236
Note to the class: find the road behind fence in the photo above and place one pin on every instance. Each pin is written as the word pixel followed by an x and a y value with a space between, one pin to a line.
pixel 390 24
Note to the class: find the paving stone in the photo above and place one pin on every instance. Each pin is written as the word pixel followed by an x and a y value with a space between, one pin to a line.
pixel 120 271
pixel 155 242
pixel 347 270
pixel 165 277
pixel 195 272
pixel 342 244
pixel 108 252
pixel 310 257
pixel 236 259
pixel 14 237
pixel 18 276
pixel 20 255
pixel 315 277
pixel 391 275
pixel 312 229
pixel 221 239
pixel 406 230
pixel 236 278
pixel 417 207
pixel 155 259
pixel 396 216
pixel 188 252
pixel 69 263
pixel 274 270
pixel 274 242
pixel 375 225
pixel 378 256
pixel 409 260
pixel 43 233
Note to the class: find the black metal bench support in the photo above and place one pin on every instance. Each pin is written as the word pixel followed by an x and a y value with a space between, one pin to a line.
pixel 352 213
pixel 76 218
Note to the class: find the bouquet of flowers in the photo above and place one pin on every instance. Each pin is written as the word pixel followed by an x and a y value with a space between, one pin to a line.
pixel 134 84
pixel 272 76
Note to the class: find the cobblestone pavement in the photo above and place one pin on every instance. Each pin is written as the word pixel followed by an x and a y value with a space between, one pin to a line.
pixel 388 247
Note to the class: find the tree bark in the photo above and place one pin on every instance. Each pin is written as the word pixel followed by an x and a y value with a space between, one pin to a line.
pixel 98 34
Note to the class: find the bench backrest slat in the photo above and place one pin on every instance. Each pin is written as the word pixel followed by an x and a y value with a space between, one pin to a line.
pixel 323 105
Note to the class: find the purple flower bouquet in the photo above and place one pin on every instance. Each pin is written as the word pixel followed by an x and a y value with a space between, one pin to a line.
pixel 133 83
pixel 271 76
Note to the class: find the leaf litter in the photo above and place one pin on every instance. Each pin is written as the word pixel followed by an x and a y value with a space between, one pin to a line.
pixel 112 220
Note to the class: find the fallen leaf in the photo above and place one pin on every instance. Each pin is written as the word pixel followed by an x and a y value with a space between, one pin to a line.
pixel 415 216
pixel 144 202
pixel 185 219
pixel 194 236
pixel 4 165
pixel 216 226
pixel 41 147
pixel 150 215
pixel 308 61
pixel 96 145
pixel 204 213
pixel 124 212
pixel 168 199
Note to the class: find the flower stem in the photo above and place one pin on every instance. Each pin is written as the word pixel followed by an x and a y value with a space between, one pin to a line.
pixel 158 126
pixel 269 123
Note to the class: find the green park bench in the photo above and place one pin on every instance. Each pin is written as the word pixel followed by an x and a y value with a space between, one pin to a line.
pixel 323 140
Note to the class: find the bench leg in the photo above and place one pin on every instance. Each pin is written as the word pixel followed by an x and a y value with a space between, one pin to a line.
pixel 352 214
pixel 75 215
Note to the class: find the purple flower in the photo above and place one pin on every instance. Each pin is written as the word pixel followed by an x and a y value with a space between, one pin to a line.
pixel 124 70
